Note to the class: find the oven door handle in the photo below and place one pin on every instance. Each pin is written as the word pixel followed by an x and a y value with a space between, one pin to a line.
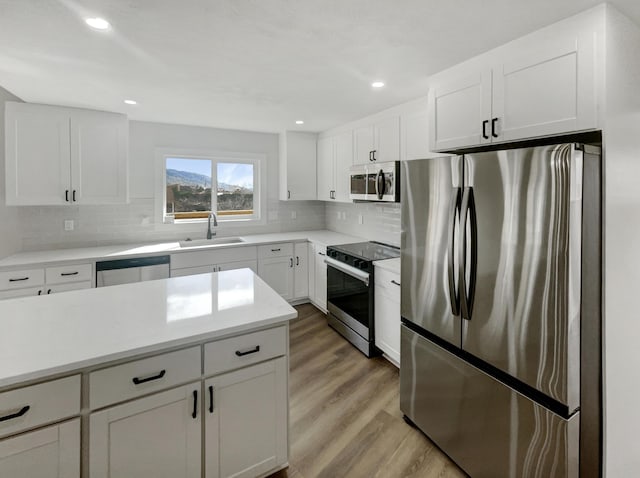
pixel 347 269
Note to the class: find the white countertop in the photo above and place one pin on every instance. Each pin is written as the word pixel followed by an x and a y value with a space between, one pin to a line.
pixel 60 333
pixel 20 259
pixel 392 265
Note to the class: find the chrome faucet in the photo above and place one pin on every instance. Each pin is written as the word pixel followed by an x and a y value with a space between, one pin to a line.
pixel 215 223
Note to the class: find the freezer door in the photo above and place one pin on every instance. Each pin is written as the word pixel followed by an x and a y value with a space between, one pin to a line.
pixel 487 428
pixel 430 198
pixel 525 314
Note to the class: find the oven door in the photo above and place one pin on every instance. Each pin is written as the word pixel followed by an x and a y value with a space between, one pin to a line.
pixel 358 184
pixel 350 297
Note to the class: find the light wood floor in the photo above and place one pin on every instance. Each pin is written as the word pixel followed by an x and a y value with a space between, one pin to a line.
pixel 345 419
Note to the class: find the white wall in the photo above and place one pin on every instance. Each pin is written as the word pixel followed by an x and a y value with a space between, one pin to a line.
pixel 622 251
pixel 38 228
pixel 9 238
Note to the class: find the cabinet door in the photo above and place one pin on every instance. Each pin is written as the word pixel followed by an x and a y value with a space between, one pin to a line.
pixel 325 169
pixel 414 138
pixel 51 452
pixel 387 322
pixel 27 292
pixel 343 162
pixel 277 272
pixel 37 155
pixel 153 436
pixel 189 271
pixel 321 278
pixel 386 134
pixel 229 266
pixel 99 151
pixel 311 274
pixel 457 110
pixel 246 421
pixel 298 166
pixel 55 288
pixel 301 270
pixel 547 91
pixel 363 144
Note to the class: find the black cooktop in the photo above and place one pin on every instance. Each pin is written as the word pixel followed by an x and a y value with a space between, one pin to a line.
pixel 368 251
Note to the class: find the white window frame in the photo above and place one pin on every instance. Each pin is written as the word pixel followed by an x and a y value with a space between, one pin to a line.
pixel 164 221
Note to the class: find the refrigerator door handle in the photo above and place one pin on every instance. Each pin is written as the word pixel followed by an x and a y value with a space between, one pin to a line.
pixel 468 253
pixel 454 215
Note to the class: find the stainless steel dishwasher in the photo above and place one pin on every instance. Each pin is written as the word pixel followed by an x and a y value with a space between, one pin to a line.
pixel 125 271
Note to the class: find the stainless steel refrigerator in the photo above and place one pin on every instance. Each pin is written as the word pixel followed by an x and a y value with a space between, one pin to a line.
pixel 500 267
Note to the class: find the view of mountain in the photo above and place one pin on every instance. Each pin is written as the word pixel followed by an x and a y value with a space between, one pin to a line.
pixel 186 178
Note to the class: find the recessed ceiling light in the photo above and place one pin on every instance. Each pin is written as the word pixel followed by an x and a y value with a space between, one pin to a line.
pixel 299 122
pixel 131 102
pixel 98 23
pixel 377 84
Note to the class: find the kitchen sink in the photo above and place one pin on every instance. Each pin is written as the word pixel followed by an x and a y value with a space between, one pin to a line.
pixel 219 241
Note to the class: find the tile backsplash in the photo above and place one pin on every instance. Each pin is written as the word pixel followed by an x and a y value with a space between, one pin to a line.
pixel 42 228
pixel 372 221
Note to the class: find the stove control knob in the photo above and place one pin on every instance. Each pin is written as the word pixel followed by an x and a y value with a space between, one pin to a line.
pixel 357 263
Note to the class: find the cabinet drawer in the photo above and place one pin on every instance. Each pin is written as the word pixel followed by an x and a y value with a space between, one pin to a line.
pixel 389 282
pixel 275 250
pixel 32 406
pixel 218 256
pixel 27 292
pixel 21 279
pixel 244 350
pixel 134 379
pixel 72 273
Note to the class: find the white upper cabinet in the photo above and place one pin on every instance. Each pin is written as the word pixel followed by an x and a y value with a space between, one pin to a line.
pixel 56 156
pixel 378 141
pixel 414 132
pixel 542 85
pixel 297 165
pixel 335 157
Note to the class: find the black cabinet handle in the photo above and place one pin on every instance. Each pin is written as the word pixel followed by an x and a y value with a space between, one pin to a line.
pixel 138 381
pixel 210 398
pixel 396 283
pixel 19 279
pixel 370 153
pixel 374 154
pixel 66 195
pixel 485 123
pixel 64 274
pixel 493 127
pixel 297 260
pixel 18 414
pixel 321 254
pixel 290 261
pixel 73 196
pixel 195 404
pixel 252 351
pixel 40 292
pixel 276 250
pixel 288 194
pixel 49 291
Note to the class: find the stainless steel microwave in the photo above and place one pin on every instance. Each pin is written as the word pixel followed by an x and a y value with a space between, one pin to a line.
pixel 375 182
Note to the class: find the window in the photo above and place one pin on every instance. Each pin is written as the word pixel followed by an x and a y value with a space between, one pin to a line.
pixel 195 185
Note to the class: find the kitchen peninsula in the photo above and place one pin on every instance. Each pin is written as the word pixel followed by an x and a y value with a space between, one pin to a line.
pixel 194 367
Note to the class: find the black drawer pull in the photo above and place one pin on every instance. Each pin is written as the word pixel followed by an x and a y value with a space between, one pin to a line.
pixel 19 279
pixel 210 398
pixel 276 250
pixel 73 195
pixel 18 414
pixel 396 283
pixel 252 351
pixel 194 414
pixel 48 291
pixel 138 381
pixel 63 274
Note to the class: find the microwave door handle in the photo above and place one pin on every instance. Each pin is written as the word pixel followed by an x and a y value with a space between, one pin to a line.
pixel 379 185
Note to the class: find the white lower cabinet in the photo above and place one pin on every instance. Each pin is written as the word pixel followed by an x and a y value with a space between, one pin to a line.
pixel 387 313
pixel 246 421
pixel 278 273
pixel 50 452
pixel 319 298
pixel 157 436
pixel 301 270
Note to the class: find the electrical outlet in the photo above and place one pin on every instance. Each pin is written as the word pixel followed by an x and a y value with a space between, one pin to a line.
pixel 360 219
pixel 338 214
pixel 68 224
pixel 344 216
pixel 293 215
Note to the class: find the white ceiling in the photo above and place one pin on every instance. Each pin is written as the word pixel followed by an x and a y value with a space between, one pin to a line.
pixel 253 64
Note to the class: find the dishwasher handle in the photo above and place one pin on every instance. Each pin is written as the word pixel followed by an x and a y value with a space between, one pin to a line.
pixel 129 263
